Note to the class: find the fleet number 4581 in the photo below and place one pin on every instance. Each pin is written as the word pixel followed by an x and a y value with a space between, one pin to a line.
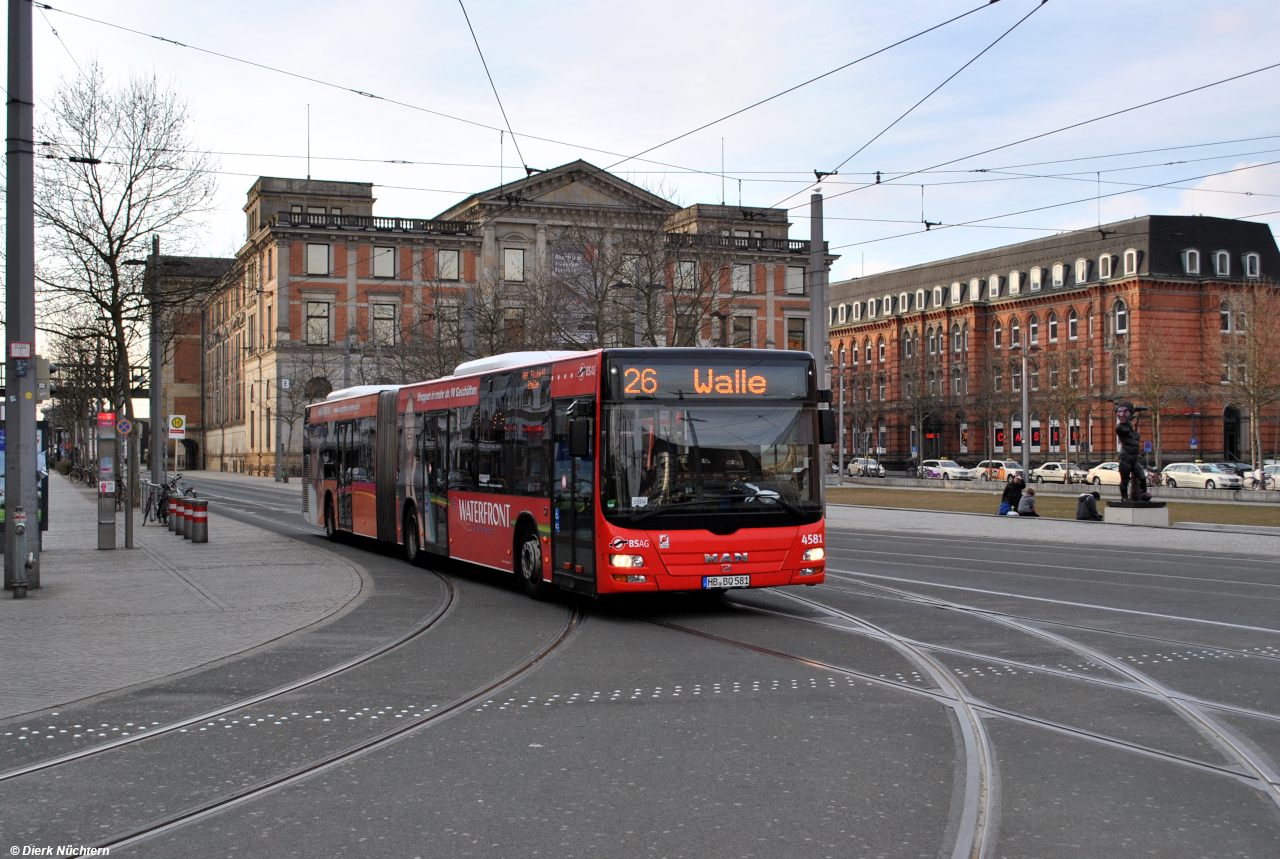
pixel 810 539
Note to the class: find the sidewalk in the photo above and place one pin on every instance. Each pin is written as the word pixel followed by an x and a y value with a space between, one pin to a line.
pixel 106 620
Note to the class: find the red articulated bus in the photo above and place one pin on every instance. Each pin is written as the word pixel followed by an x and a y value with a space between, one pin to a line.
pixel 617 470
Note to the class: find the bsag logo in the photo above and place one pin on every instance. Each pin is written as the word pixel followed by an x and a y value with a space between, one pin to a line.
pixel 736 558
pixel 618 543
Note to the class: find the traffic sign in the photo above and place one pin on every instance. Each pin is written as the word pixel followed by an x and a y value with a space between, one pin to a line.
pixel 19 349
pixel 177 426
pixel 1195 443
pixel 123 426
pixel 1146 446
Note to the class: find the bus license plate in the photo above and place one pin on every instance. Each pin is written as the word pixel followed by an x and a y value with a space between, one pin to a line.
pixel 726 581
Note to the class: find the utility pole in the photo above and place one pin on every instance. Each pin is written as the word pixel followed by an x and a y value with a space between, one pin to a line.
pixel 21 556
pixel 820 347
pixel 159 425
pixel 840 422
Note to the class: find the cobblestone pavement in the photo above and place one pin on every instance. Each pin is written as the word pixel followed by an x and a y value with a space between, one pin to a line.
pixel 107 620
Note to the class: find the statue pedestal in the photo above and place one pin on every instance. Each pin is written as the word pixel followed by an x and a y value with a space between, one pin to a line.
pixel 1136 513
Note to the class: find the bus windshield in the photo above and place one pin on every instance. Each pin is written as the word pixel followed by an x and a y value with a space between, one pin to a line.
pixel 697 460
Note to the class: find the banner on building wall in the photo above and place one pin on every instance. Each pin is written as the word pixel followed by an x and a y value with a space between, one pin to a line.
pixel 964 438
pixel 1036 439
pixel 999 438
pixel 1016 447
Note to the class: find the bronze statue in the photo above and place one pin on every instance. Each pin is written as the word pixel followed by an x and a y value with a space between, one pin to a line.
pixel 1133 476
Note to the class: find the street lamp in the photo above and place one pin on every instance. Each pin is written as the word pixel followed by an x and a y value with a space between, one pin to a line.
pixel 1026 412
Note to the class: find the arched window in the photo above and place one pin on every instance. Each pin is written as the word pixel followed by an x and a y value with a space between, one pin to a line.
pixel 1073 325
pixel 1191 261
pixel 842 361
pixel 1015 282
pixel 1252 265
pixel 956 340
pixel 1033 330
pixel 1082 271
pixel 1059 274
pixel 1222 264
pixel 880 349
pixel 955 381
pixel 922 300
pixel 955 292
pixel 853 352
pixel 1053 327
pixel 993 286
pixel 857 311
pixel 932 342
pixel 998 335
pixel 1037 278
pixel 975 289
pixel 906 345
pixel 1015 378
pixel 904 302
pixel 880 383
pixel 937 296
pixel 1120 311
pixel 886 306
pixel 1015 332
pixel 1225 311
pixel 933 384
pixel 1130 262
pixel 868 350
pixel 1104 266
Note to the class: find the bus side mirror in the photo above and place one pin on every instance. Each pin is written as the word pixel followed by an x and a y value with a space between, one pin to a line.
pixel 826 427
pixel 580 437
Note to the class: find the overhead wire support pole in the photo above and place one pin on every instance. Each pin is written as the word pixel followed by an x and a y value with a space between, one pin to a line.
pixel 21 547
pixel 159 426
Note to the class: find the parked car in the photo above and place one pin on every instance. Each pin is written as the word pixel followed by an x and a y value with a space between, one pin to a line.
pixel 1058 472
pixel 1241 469
pixel 997 469
pixel 1267 477
pixel 944 469
pixel 1201 475
pixel 1108 474
pixel 865 466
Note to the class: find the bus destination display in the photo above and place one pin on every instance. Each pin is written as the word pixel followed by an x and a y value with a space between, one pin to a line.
pixel 680 381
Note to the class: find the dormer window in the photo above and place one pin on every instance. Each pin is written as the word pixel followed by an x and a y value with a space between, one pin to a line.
pixel 1252 265
pixel 920 299
pixel 904 302
pixel 857 311
pixel 886 305
pixel 975 289
pixel 1130 262
pixel 1015 282
pixel 1037 278
pixel 955 293
pixel 1059 275
pixel 1191 261
pixel 1104 266
pixel 1082 271
pixel 1222 264
pixel 937 296
pixel 993 286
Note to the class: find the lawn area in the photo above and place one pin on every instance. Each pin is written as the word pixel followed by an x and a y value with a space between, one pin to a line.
pixel 1051 506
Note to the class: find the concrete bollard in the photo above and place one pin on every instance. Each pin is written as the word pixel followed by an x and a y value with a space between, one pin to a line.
pixel 181 529
pixel 199 521
pixel 187 504
pixel 174 507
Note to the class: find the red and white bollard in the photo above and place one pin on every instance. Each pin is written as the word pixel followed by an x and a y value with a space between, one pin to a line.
pixel 199 518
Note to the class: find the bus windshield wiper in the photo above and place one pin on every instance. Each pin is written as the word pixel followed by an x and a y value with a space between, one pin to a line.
pixel 653 511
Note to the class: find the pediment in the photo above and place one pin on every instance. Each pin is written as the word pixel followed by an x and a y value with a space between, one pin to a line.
pixel 575 184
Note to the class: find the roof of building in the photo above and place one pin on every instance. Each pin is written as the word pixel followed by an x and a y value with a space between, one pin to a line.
pixel 1159 239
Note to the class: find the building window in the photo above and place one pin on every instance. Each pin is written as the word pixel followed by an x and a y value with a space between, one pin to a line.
pixel 687 276
pixel 1053 378
pixel 315 210
pixel 513 264
pixel 740 335
pixel 933 342
pixel 881 384
pixel 832 315
pixel 447 264
pixel 853 352
pixel 975 289
pixel 922 299
pixel 1104 266
pixel 1222 264
pixel 857 311
pixel 1191 261
pixel 1225 311
pixel 1082 271
pixel 1033 330
pixel 880 350
pixel 384 324
pixel 318 259
pixel 904 302
pixel 937 296
pixel 1252 265
pixel 957 342
pixel 955 381
pixel 795 280
pixel 1015 333
pixel 795 335
pixel 868 350
pixel 296 209
pixel 993 286
pixel 1033 370
pixel 998 335
pixel 1122 317
pixel 1130 262
pixel 1015 282
pixel 955 293
pixel 1053 327
pixel 317 323
pixel 997 380
pixel 1073 325
pixel 384 262
pixel 1074 375
pixel 740 278
pixel 871 309
pixel 886 305
pixel 1122 373
pixel 1037 278
pixel 1059 274
pixel 1015 379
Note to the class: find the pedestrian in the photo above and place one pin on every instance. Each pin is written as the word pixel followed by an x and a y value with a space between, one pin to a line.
pixel 1027 506
pixel 1011 496
pixel 1087 507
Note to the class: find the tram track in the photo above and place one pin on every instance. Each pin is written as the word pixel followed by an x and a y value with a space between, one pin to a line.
pixel 445 607
pixel 301 773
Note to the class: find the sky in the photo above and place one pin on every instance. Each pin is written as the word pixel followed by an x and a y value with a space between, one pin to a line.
pixel 609 80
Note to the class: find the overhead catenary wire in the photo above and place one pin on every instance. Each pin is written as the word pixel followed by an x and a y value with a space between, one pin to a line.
pixel 493 85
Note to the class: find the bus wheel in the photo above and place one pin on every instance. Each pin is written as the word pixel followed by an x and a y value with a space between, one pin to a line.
pixel 412 548
pixel 331 523
pixel 529 572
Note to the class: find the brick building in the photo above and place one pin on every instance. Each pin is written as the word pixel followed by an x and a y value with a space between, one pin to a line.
pixel 931 364
pixel 325 294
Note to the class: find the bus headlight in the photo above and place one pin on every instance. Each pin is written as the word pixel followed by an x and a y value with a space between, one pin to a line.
pixel 813 554
pixel 808 571
pixel 626 560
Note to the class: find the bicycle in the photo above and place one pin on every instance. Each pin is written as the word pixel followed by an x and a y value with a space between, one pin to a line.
pixel 158 495
pixel 1268 481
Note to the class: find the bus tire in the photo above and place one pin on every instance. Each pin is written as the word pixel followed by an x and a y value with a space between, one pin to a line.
pixel 528 552
pixel 412 543
pixel 331 522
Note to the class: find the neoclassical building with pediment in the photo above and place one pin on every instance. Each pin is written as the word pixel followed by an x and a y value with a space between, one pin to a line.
pixel 324 293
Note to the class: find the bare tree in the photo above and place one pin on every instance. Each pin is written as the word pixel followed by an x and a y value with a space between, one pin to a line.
pixel 1250 356
pixel 1160 385
pixel 991 400
pixel 120 167
pixel 1067 394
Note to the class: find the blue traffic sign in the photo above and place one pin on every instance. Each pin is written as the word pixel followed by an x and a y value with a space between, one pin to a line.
pixel 1146 445
pixel 1195 443
pixel 124 426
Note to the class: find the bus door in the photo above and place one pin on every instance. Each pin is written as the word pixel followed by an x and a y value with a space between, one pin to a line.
pixel 347 454
pixel 573 499
pixel 434 459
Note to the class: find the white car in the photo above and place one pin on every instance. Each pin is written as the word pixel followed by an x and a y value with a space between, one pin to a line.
pixel 1057 472
pixel 864 466
pixel 1200 475
pixel 944 469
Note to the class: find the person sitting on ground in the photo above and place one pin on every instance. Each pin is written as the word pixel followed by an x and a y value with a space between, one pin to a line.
pixel 1087 507
pixel 1027 506
pixel 1011 496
